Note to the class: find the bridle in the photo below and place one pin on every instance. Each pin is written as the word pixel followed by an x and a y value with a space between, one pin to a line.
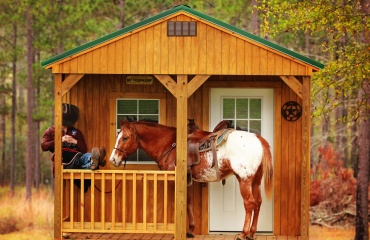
pixel 124 154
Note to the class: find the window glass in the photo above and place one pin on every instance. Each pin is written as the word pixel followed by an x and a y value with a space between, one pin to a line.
pixel 228 108
pixel 255 108
pixel 242 108
pixel 245 113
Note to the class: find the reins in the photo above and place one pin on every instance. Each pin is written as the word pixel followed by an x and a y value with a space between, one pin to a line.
pixel 168 151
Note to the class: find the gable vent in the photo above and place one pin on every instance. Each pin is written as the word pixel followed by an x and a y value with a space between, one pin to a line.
pixel 181 29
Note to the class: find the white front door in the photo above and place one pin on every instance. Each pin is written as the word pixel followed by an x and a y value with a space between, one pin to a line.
pixel 251 110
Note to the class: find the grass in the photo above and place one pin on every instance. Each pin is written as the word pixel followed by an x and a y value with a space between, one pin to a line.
pixel 21 219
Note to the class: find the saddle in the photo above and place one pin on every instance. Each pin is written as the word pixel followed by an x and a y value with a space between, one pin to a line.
pixel 201 141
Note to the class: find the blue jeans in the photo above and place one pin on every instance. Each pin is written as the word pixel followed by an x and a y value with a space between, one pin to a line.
pixel 85 161
pixel 81 161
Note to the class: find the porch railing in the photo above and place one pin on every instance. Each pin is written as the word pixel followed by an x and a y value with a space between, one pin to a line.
pixel 121 201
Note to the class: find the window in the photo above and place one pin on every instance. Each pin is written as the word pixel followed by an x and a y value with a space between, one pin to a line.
pixel 181 29
pixel 137 110
pixel 244 113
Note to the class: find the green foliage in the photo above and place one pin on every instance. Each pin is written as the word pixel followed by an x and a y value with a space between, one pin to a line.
pixel 342 28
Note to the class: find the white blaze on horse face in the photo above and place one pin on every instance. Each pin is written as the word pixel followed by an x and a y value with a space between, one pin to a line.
pixel 115 159
pixel 244 151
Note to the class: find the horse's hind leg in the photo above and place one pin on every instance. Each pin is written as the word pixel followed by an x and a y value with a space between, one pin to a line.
pixel 256 190
pixel 249 205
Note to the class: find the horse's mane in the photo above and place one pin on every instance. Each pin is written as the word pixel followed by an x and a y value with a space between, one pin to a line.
pixel 153 124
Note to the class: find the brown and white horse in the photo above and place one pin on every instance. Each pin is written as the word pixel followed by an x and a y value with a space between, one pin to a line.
pixel 243 154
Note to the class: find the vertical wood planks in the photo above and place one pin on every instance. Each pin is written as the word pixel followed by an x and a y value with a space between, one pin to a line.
pixel 210 46
pixel 156 49
pixel 277 160
pixel 202 50
pixel 225 52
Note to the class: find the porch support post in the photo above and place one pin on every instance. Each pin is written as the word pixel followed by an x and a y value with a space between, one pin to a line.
pixel 181 157
pixel 305 171
pixel 57 158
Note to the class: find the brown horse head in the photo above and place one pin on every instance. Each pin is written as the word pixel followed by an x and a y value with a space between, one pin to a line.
pixel 126 143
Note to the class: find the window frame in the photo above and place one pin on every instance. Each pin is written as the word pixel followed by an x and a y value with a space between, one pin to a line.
pixel 176 29
pixel 133 96
pixel 249 118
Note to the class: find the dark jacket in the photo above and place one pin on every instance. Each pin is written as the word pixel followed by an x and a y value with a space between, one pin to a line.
pixel 48 142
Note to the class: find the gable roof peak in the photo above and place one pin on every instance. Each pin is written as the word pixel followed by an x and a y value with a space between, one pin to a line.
pixel 190 11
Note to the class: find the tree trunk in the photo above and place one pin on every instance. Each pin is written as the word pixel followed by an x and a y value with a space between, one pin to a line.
pixel 121 23
pixel 14 108
pixel 30 108
pixel 362 221
pixel 2 136
pixel 362 200
pixel 254 19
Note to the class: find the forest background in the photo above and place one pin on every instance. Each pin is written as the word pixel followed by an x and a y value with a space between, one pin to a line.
pixel 335 33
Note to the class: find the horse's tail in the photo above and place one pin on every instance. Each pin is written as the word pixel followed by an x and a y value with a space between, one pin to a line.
pixel 267 166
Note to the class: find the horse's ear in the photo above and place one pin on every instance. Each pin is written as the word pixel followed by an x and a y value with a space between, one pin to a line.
pixel 122 122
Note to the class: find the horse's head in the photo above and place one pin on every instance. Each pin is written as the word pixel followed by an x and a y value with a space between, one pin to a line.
pixel 126 144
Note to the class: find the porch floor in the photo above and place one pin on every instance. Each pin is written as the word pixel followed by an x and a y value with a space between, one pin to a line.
pixel 137 236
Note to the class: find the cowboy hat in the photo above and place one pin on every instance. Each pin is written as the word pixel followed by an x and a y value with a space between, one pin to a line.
pixel 70 114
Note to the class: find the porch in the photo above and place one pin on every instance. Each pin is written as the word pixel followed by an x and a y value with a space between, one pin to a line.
pixel 136 236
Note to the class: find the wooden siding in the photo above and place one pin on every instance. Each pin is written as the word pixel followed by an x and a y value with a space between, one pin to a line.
pixel 93 94
pixel 214 51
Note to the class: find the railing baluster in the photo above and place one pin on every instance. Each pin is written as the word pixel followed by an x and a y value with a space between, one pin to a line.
pixel 155 202
pixel 71 192
pixel 134 201
pixel 145 199
pixel 123 201
pixel 102 201
pixel 92 201
pixel 82 204
pixel 165 194
pixel 113 213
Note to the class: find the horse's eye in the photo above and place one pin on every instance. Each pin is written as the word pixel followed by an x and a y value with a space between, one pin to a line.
pixel 125 139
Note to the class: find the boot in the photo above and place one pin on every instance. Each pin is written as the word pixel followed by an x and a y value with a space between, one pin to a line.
pixel 97 157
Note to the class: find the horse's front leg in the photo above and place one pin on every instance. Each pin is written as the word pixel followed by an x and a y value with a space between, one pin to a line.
pixel 190 212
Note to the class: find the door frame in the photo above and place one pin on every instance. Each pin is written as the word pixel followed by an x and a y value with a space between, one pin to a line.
pixel 269 109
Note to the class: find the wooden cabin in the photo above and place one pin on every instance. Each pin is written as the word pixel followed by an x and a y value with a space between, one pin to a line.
pixel 171 67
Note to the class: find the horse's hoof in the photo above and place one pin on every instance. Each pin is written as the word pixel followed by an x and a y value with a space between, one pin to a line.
pixel 243 237
pixel 190 235
pixel 239 237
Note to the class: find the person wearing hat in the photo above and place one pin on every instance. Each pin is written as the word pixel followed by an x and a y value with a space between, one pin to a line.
pixel 74 149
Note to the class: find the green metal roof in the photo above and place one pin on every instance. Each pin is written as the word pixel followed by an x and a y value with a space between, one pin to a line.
pixel 197 14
